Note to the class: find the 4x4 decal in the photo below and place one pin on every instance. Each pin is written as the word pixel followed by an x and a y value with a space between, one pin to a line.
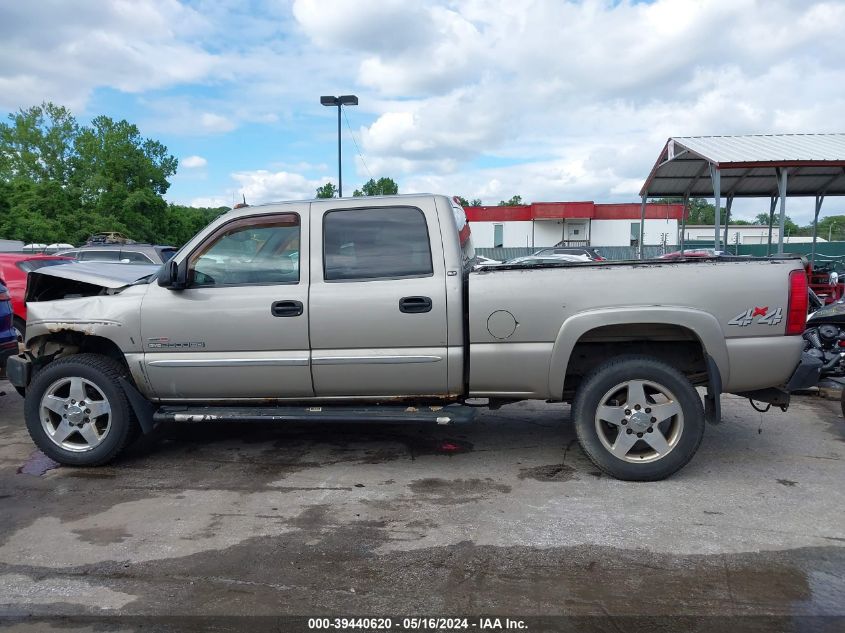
pixel 746 318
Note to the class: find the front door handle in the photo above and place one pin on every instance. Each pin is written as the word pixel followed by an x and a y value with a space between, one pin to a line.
pixel 415 305
pixel 286 308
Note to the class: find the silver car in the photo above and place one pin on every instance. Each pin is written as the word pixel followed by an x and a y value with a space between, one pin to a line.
pixel 122 253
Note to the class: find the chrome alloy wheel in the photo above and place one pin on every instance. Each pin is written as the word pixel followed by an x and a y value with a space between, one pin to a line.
pixel 639 421
pixel 75 414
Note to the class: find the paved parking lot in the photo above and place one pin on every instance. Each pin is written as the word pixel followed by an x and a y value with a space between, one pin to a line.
pixel 502 516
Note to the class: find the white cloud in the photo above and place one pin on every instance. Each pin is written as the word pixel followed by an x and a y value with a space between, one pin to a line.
pixel 211 201
pixel 485 98
pixel 193 162
pixel 61 51
pixel 261 185
pixel 581 95
pixel 216 122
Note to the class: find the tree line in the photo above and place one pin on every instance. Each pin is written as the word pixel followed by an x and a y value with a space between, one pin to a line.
pixel 381 187
pixel 61 181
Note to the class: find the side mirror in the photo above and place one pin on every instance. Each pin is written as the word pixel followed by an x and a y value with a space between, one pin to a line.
pixel 173 275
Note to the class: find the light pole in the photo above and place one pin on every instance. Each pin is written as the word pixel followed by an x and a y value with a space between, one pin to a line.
pixel 340 101
pixel 830 230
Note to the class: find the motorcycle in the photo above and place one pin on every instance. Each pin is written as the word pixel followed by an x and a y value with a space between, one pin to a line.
pixel 824 338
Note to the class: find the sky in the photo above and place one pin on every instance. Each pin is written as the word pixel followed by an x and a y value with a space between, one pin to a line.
pixel 549 99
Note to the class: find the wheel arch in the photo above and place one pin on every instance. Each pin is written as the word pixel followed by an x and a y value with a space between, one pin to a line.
pixel 670 331
pixel 66 342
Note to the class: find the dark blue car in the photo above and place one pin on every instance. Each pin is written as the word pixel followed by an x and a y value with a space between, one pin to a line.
pixel 8 336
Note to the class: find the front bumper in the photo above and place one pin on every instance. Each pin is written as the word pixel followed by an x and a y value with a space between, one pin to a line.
pixel 18 369
pixel 7 350
pixel 807 373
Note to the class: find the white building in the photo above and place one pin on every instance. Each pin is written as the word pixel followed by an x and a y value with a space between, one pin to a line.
pixel 743 234
pixel 542 224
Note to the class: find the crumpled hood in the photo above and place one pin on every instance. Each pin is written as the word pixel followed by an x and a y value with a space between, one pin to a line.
pixel 102 274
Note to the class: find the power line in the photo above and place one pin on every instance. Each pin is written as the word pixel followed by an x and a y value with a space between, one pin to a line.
pixel 349 127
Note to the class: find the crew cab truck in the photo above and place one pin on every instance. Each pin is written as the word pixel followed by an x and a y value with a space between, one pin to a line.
pixel 371 308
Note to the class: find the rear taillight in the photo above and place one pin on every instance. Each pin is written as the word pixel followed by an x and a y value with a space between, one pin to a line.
pixel 796 312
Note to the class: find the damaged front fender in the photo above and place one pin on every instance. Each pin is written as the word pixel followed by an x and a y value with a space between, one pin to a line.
pixel 67 303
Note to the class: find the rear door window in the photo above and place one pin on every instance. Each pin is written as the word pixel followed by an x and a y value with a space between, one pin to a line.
pixel 379 243
pixel 100 256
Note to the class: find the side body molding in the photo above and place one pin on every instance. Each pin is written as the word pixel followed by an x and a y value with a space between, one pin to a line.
pixel 702 324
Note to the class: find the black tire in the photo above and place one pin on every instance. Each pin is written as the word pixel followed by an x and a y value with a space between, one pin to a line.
pixel 103 372
pixel 686 436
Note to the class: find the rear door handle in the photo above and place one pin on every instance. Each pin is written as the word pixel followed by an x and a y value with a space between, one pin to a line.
pixel 286 308
pixel 415 305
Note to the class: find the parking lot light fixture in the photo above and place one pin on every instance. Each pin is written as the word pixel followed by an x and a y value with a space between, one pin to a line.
pixel 342 100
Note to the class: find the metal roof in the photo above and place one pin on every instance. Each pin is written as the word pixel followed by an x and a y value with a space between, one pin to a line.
pixel 748 165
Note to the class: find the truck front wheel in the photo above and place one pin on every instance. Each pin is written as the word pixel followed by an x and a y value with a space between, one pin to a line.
pixel 638 418
pixel 76 411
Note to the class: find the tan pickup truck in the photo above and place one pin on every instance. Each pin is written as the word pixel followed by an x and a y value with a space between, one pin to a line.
pixel 371 308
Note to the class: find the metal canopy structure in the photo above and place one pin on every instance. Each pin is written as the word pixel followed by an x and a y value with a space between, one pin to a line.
pixel 774 166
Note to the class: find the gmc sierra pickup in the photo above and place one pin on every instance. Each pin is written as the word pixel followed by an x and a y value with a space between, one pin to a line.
pixel 371 308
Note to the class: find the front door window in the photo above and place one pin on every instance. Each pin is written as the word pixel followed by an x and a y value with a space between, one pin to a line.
pixel 262 251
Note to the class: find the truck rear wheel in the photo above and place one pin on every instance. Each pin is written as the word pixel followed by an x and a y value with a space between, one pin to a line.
pixel 638 418
pixel 76 411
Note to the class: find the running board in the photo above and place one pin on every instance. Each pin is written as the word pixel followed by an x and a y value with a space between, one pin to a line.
pixel 442 415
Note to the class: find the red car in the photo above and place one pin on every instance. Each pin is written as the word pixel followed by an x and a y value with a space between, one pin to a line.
pixel 14 267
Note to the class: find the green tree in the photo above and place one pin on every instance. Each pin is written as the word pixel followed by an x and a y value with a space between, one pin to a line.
pixel 380 187
pixel 327 191
pixel 699 210
pixel 832 225
pixel 789 227
pixel 513 202
pixel 182 222
pixel 61 181
pixel 475 202
pixel 37 144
